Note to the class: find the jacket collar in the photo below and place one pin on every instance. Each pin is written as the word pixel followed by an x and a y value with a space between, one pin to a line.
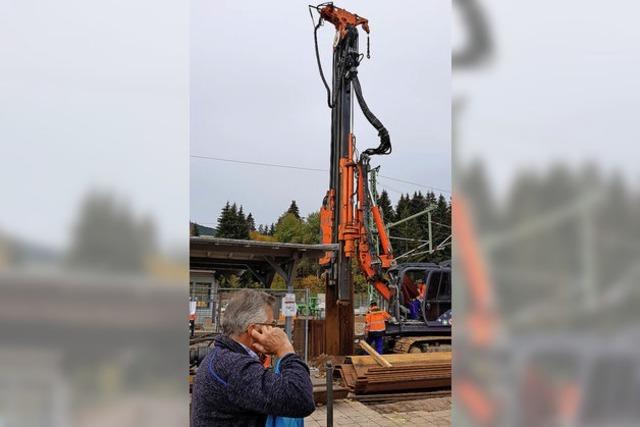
pixel 224 341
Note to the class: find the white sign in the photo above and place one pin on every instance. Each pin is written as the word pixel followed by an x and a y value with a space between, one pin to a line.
pixel 192 307
pixel 321 301
pixel 289 307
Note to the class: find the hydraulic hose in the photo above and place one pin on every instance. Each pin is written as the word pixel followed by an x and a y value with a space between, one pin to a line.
pixel 383 133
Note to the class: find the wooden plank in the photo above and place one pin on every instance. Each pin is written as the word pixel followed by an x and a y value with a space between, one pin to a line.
pixel 409 358
pixel 379 359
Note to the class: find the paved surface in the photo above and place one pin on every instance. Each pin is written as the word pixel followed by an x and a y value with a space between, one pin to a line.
pixel 426 412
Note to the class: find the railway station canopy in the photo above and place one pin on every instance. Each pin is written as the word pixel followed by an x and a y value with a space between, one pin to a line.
pixel 262 259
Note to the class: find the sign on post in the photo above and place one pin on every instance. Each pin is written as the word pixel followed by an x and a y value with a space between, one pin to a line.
pixel 289 307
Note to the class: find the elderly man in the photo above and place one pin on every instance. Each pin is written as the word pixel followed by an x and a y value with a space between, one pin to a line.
pixel 232 388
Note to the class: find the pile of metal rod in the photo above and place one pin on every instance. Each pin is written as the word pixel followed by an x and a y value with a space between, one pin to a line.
pixel 415 372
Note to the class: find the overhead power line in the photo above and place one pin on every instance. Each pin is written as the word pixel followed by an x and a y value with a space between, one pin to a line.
pixel 275 165
pixel 259 163
pixel 442 190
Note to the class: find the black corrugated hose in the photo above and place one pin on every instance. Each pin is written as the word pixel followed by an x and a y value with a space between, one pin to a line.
pixel 383 133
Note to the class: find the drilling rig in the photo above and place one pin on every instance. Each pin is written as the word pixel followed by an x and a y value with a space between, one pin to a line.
pixel 350 217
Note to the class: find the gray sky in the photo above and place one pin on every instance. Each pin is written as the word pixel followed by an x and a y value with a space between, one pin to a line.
pixel 256 95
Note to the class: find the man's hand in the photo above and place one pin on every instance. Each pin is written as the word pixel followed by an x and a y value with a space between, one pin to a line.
pixel 271 341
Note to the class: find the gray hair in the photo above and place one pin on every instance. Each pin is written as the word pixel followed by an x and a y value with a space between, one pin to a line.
pixel 245 307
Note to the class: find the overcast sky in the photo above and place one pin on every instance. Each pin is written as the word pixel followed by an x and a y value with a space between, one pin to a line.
pixel 256 95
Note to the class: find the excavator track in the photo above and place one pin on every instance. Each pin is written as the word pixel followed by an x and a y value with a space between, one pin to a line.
pixel 425 344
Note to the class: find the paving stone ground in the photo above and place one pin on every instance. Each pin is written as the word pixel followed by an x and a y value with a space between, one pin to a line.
pixel 350 413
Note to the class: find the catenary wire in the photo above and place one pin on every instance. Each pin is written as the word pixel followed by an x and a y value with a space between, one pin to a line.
pixel 275 165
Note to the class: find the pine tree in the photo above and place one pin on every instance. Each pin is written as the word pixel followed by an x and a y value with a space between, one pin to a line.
pixel 418 203
pixel 251 222
pixel 420 226
pixel 232 223
pixel 441 230
pixel 272 229
pixel 225 222
pixel 386 208
pixel 293 209
pixel 403 230
pixel 431 198
pixel 242 225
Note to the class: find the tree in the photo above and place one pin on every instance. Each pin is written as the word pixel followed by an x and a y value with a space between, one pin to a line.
pixel 403 210
pixel 289 229
pixel 420 225
pixel 293 209
pixel 311 232
pixel 232 223
pixel 314 283
pixel 441 228
pixel 386 208
pixel 225 222
pixel 251 222
pixel 242 225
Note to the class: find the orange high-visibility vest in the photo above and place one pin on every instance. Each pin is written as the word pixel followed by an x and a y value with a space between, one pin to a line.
pixel 375 321
pixel 422 289
pixel 267 361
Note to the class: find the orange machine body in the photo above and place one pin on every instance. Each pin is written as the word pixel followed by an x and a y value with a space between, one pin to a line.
pixel 326 223
pixel 341 19
pixel 348 229
pixel 353 229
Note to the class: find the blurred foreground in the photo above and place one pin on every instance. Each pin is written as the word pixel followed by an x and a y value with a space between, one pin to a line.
pixel 94 185
pixel 546 216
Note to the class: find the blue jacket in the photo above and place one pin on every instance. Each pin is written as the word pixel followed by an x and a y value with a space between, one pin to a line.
pixel 232 388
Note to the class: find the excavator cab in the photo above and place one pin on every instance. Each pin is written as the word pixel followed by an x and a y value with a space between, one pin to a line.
pixel 437 299
pixel 421 305
pixel 424 291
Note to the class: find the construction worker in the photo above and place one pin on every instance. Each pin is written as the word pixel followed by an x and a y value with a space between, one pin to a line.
pixel 375 326
pixel 415 301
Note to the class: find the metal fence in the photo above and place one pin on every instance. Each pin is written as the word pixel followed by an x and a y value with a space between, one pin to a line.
pixel 212 300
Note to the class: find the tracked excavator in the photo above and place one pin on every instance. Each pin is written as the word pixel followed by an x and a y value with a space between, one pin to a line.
pixel 350 216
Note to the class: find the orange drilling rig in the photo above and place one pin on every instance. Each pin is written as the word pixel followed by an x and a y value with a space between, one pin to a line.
pixel 351 218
